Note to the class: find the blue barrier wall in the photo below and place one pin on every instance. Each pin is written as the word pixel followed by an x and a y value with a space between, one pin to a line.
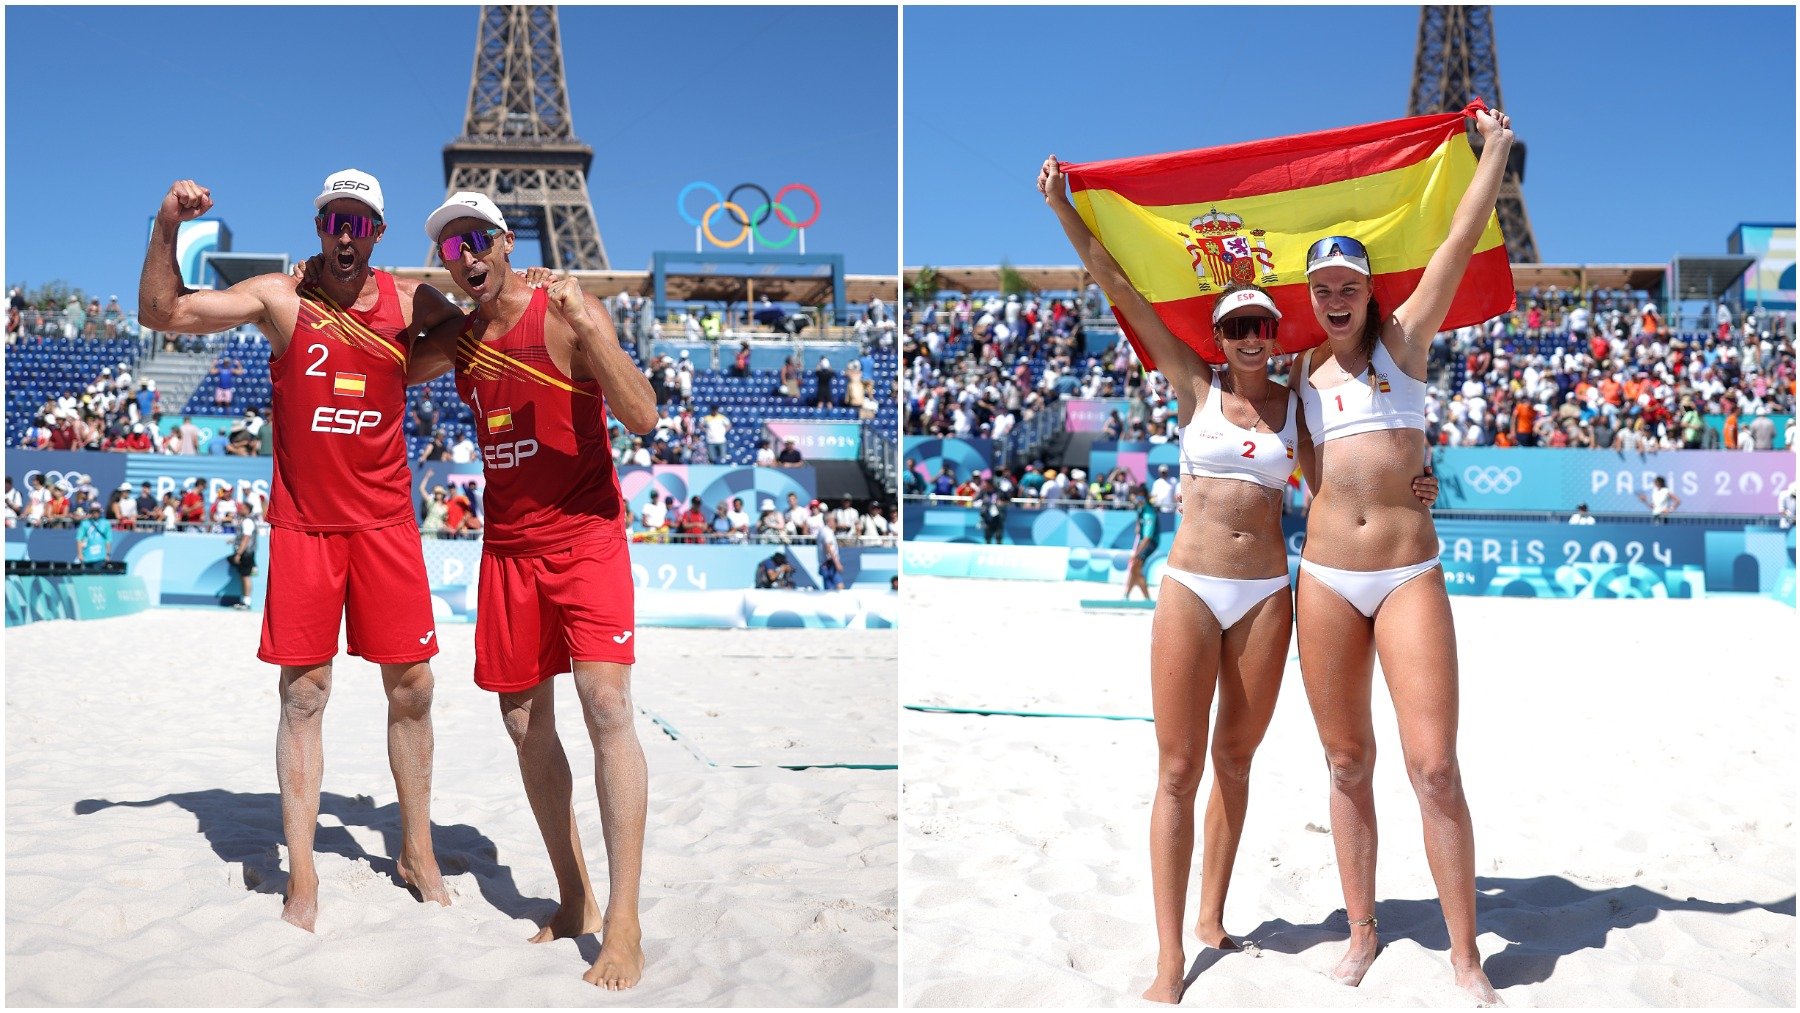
pixel 1138 457
pixel 178 568
pixel 1542 479
pixel 1480 557
pixel 969 456
pixel 714 482
pixel 80 596
pixel 452 567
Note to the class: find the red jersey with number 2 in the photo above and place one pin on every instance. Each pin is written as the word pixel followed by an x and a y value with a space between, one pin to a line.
pixel 338 411
pixel 547 464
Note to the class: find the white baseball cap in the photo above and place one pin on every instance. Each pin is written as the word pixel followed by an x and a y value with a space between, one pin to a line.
pixel 1234 301
pixel 353 183
pixel 463 204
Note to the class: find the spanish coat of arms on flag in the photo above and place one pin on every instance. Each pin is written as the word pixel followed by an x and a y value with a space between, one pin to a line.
pixel 1185 225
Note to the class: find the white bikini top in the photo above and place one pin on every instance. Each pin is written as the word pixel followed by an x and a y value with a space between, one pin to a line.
pixel 1393 401
pixel 1213 447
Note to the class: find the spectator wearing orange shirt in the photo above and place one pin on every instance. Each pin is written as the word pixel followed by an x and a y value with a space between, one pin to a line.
pixel 1611 390
pixel 1525 423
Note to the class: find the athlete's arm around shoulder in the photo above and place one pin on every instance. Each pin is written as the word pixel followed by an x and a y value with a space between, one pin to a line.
pixel 1423 312
pixel 164 304
pixel 628 394
pixel 435 324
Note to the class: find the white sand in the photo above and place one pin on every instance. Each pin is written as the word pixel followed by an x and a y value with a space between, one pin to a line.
pixel 1630 771
pixel 142 816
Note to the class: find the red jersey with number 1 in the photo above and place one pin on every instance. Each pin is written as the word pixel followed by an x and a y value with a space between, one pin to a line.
pixel 545 457
pixel 338 411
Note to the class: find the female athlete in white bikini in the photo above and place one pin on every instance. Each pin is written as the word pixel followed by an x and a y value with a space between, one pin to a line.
pixel 1369 578
pixel 1239 433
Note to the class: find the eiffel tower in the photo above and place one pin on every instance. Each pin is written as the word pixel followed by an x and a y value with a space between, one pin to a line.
pixel 518 144
pixel 1455 62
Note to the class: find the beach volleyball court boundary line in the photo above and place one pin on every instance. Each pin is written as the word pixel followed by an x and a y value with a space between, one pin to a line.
pixel 669 729
pixel 996 712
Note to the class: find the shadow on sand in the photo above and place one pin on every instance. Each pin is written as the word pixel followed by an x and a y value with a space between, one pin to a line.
pixel 1543 919
pixel 245 828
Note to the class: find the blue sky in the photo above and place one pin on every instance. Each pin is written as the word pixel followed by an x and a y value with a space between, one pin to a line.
pixel 105 107
pixel 1649 131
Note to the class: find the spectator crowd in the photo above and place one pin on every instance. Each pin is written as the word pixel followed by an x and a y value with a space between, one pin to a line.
pixel 665 519
pixel 1569 369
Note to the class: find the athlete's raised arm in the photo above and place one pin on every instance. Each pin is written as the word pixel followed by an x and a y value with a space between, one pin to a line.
pixel 1174 358
pixel 1423 312
pixel 164 304
pixel 628 394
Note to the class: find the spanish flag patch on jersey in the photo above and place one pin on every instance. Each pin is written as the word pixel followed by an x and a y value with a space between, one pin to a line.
pixel 1381 384
pixel 499 420
pixel 349 384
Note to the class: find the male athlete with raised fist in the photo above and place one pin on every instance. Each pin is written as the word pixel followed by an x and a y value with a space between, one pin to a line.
pixel 343 543
pixel 541 367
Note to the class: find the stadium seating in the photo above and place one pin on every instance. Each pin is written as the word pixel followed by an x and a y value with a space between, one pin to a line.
pixel 746 400
pixel 41 368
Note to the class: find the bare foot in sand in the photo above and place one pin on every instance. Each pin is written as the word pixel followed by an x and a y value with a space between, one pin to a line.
pixel 421 873
pixel 621 960
pixel 1213 935
pixel 1171 980
pixel 1474 981
pixel 1364 947
pixel 301 906
pixel 570 920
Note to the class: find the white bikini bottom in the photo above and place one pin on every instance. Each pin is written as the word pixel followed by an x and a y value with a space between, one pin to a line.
pixel 1229 599
pixel 1366 589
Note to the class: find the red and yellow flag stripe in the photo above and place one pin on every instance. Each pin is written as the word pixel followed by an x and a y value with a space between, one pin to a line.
pixel 318 312
pixel 1184 225
pixel 486 363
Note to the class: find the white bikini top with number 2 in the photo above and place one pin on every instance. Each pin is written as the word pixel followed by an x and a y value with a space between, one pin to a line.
pixel 1392 400
pixel 1213 447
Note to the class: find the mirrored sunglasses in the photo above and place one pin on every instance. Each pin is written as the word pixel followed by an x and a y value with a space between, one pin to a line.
pixel 360 226
pixel 478 242
pixel 1237 328
pixel 1332 246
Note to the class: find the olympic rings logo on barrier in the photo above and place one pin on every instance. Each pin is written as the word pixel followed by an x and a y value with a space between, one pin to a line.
pixel 1499 481
pixel 748 222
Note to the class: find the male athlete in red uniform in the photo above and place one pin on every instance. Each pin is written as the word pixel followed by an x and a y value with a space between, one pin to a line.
pixel 343 544
pixel 555 579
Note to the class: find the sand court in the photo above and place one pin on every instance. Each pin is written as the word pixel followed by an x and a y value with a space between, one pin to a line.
pixel 1630 771
pixel 143 863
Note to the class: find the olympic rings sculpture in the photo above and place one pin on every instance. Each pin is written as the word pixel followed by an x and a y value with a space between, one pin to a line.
pixel 748 222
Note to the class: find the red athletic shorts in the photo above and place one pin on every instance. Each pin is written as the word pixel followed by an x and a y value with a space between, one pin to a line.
pixel 535 613
pixel 371 580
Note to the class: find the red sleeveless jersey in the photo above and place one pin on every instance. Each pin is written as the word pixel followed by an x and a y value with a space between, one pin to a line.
pixel 338 411
pixel 545 456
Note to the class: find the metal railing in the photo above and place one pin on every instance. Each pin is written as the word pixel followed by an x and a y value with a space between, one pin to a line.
pixel 1030 436
pixel 59 324
pixel 879 456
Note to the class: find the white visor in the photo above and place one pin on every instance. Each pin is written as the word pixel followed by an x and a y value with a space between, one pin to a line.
pixel 1231 302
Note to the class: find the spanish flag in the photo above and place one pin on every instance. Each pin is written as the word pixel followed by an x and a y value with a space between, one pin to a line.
pixel 1185 225
pixel 349 384
pixel 499 420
